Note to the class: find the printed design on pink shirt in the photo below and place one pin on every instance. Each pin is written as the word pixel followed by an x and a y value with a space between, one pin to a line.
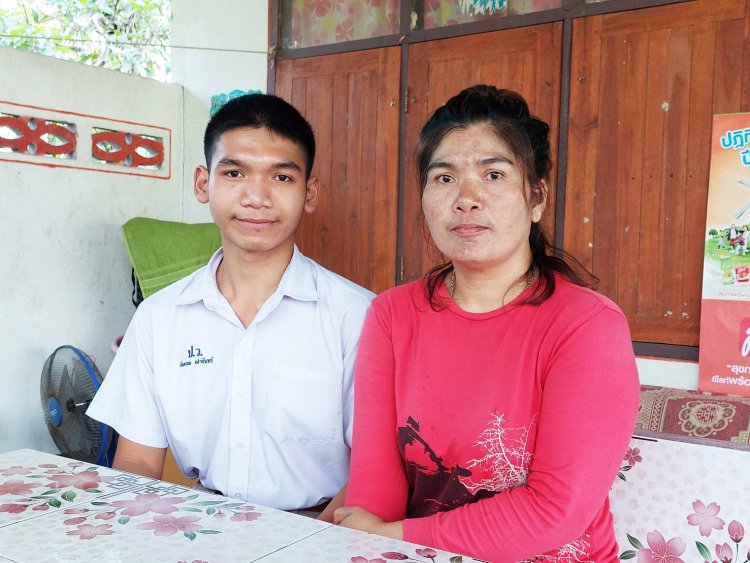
pixel 575 551
pixel 505 465
pixel 506 460
pixel 435 487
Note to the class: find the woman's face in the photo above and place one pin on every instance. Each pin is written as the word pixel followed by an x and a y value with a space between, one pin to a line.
pixel 475 201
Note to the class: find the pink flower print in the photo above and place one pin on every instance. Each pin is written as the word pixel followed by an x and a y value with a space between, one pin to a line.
pixel 16 487
pixel 320 7
pixel 661 550
pixel 74 521
pixel 167 525
pixel 105 516
pixel 344 31
pixel 705 517
pixel 75 510
pixel 427 552
pixel 83 480
pixel 360 559
pixel 16 470
pixel 245 516
pixel 736 531
pixel 633 456
pixel 12 508
pixel 44 506
pixel 149 502
pixel 87 531
pixel 724 553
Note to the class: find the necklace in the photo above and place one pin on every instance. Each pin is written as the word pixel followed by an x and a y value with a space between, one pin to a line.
pixel 452 281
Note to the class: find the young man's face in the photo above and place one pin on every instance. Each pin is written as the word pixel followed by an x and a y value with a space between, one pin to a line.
pixel 256 189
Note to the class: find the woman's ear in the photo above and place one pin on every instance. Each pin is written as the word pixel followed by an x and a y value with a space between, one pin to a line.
pixel 538 201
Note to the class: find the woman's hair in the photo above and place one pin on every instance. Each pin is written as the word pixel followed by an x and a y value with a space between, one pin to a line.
pixel 527 137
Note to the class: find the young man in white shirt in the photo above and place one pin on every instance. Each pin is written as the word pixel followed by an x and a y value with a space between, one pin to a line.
pixel 244 368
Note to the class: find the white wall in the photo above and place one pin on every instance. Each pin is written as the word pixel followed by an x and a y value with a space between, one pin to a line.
pixel 668 373
pixel 228 44
pixel 66 273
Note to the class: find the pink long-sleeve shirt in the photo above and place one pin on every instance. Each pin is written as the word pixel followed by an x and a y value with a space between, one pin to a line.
pixel 496 435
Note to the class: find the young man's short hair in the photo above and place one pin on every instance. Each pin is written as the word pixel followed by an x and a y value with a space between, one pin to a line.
pixel 261 110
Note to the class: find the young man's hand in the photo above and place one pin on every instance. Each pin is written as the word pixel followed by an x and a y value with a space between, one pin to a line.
pixel 336 502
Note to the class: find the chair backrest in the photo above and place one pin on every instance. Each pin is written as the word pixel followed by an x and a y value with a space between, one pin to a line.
pixel 163 252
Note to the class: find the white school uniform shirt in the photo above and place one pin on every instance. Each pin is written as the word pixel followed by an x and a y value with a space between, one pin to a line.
pixel 262 413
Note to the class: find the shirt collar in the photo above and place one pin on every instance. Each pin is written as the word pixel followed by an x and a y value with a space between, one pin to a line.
pixel 298 282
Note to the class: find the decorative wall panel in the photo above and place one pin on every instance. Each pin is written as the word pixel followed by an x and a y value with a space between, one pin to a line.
pixel 63 139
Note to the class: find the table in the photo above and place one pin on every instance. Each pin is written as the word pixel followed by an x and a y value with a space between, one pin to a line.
pixel 56 509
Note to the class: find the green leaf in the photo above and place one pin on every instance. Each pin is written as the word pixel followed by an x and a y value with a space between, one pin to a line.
pixel 93 491
pixel 626 468
pixel 123 519
pixel 188 509
pixel 210 511
pixel 456 559
pixel 703 551
pixel 50 492
pixel 621 476
pixel 191 497
pixel 55 502
pixel 68 495
pixel 627 554
pixel 209 531
pixel 99 503
pixel 189 535
pixel 634 542
pixel 207 503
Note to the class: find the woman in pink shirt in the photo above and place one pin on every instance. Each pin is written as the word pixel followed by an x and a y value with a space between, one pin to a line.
pixel 494 399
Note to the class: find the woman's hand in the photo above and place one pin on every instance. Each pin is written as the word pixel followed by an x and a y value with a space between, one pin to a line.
pixel 360 519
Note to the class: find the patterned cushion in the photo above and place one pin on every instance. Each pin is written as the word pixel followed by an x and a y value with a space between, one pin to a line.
pixel 694 414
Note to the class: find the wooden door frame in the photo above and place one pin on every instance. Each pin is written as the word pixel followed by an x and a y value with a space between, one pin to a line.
pixel 570 11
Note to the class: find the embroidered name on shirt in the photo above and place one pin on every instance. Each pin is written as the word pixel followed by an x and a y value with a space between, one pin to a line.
pixel 195 358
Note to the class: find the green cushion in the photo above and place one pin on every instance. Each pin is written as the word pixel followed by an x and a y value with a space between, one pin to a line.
pixel 163 252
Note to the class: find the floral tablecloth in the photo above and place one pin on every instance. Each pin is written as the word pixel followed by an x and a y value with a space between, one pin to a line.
pixel 683 502
pixel 54 509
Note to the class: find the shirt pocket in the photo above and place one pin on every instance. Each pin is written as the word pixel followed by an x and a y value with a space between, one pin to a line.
pixel 303 404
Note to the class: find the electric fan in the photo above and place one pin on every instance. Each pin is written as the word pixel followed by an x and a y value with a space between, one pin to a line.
pixel 69 382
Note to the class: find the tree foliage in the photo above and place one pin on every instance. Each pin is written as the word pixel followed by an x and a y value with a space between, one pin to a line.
pixel 127 35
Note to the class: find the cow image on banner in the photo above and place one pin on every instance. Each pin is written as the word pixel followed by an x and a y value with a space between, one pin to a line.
pixel 724 365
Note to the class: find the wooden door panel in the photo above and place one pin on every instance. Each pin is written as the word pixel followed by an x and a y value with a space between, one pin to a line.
pixel 351 100
pixel 644 86
pixel 525 60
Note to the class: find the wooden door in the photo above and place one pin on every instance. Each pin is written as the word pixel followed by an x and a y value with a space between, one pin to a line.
pixel 351 101
pixel 644 86
pixel 526 60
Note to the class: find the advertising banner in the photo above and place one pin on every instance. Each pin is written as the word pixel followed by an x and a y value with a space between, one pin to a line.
pixel 724 365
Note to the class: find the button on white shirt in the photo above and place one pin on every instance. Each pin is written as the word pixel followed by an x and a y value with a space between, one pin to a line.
pixel 262 413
